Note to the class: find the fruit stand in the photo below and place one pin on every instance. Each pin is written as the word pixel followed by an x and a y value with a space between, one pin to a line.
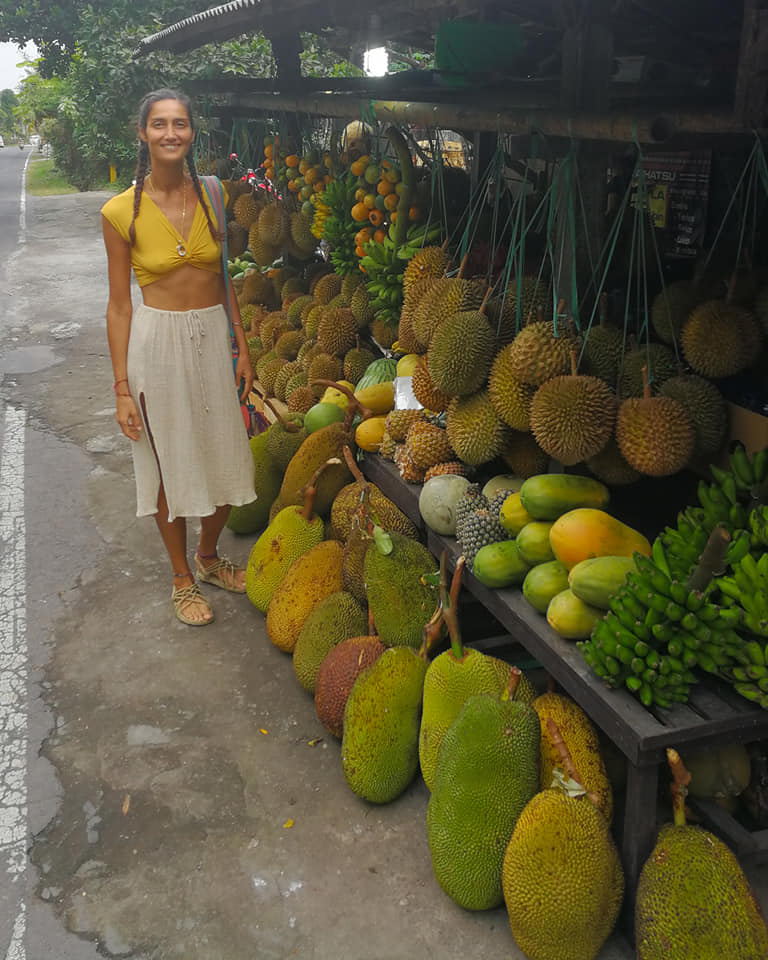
pixel 573 312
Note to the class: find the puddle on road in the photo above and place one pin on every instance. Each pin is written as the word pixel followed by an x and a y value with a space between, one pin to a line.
pixel 28 360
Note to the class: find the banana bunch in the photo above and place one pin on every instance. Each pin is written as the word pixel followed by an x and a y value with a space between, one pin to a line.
pixel 657 631
pixel 750 679
pixel 385 279
pixel 339 228
pixel 322 211
pixel 747 590
pixel 419 235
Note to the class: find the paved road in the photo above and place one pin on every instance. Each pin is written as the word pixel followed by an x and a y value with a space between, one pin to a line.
pixel 172 786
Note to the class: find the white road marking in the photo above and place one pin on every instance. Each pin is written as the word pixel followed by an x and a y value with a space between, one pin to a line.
pixel 23 202
pixel 13 667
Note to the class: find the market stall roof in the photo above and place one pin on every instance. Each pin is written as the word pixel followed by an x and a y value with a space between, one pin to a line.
pixel 341 23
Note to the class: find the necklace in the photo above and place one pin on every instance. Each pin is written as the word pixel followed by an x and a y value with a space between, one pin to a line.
pixel 180 247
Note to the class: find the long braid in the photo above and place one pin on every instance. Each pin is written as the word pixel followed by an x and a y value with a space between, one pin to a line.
pixel 141 172
pixel 218 236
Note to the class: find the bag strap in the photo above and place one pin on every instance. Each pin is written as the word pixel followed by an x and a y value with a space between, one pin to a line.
pixel 215 190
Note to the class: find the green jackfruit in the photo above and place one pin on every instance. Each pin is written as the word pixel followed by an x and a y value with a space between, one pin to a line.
pixel 562 878
pixel 581 739
pixel 319 447
pixel 254 516
pixel 380 746
pixel 450 680
pixel 314 576
pixel 334 619
pixel 282 444
pixel 287 537
pixel 487 772
pixel 400 604
pixel 390 516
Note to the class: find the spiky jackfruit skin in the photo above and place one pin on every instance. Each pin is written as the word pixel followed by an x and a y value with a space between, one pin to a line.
pixel 319 447
pixel 693 900
pixel 380 745
pixel 486 775
pixel 254 516
pixel 336 677
pixel 447 686
pixel 314 576
pixel 338 617
pixel 353 568
pixel 286 538
pixel 399 603
pixel 562 879
pixel 581 739
pixel 389 514
pixel 282 445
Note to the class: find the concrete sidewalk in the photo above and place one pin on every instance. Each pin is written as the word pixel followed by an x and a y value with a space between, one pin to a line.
pixel 193 817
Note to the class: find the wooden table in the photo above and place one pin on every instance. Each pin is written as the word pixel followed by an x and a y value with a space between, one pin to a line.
pixel 713 715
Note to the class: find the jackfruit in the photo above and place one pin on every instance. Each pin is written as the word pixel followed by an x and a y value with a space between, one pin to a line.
pixel 336 676
pixel 693 899
pixel 562 878
pixel 581 739
pixel 486 774
pixel 338 617
pixel 380 745
pixel 452 677
pixel 254 516
pixel 390 515
pixel 284 438
pixel 314 576
pixel 291 534
pixel 399 602
pixel 319 447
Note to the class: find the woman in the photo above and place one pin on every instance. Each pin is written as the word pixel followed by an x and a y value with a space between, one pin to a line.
pixel 172 359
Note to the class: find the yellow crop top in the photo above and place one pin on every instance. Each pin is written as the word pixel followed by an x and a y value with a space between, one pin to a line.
pixel 154 254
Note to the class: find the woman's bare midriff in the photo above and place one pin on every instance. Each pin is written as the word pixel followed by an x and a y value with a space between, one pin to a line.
pixel 185 288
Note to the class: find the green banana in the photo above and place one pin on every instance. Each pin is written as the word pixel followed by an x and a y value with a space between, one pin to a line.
pixel 741 467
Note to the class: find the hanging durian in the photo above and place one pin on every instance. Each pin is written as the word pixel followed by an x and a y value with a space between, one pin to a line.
pixel 511 399
pixel 720 339
pixel 523 455
pixel 610 466
pixel 540 351
pixel 447 297
pixel 474 430
pixel 425 391
pixel 705 406
pixel 572 417
pixel 654 434
pixel 327 287
pixel 532 293
pixel 603 348
pixel 660 361
pixel 461 352
pixel 670 309
pixel 428 262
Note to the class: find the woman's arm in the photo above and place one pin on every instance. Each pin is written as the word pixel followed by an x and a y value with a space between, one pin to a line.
pixel 243 368
pixel 119 313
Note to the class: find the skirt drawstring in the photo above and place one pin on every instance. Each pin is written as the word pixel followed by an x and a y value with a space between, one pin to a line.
pixel 196 333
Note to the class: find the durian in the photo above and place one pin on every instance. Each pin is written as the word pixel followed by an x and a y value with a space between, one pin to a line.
pixel 447 297
pixel 294 311
pixel 327 287
pixel 428 262
pixel 383 333
pixel 264 255
pixel 510 397
pixel 349 284
pixel 720 339
pixel 523 455
pixel 461 352
pixel 474 430
pixel 572 417
pixel 268 374
pixel 301 234
pixel 670 309
pixel 356 362
pixel 425 390
pixel 337 331
pixel 654 434
pixel 610 466
pixel 301 399
pixel 323 367
pixel 237 239
pixel 246 210
pixel 361 308
pixel 538 353
pixel 660 361
pixel 406 333
pixel 282 377
pixel 705 406
pixel 288 344
pixel 532 294
pixel 603 349
pixel 297 380
pixel 274 225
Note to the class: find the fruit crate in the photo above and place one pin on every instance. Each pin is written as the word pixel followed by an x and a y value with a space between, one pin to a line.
pixel 714 714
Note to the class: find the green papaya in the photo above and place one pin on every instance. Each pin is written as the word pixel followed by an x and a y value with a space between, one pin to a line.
pixel 543 582
pixel 500 564
pixel 533 542
pixel 572 618
pixel 548 496
pixel 597 579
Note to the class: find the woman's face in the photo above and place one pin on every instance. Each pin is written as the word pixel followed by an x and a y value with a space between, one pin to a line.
pixel 168 133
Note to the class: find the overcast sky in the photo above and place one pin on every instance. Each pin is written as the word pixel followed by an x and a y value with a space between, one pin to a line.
pixel 10 55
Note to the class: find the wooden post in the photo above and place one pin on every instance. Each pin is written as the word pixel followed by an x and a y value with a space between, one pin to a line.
pixel 751 101
pixel 286 49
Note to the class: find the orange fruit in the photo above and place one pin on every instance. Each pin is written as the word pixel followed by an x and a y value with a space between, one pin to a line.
pixel 400 188
pixel 414 213
pixel 392 176
pixel 391 201
pixel 369 200
pixel 293 186
pixel 393 217
pixel 359 212
pixel 376 217
pixel 380 236
pixel 359 193
pixel 303 165
pixel 318 187
pixel 292 160
pixel 269 150
pixel 362 268
pixel 327 160
pixel 383 187
pixel 363 236
pixel 358 167
pixel 359 251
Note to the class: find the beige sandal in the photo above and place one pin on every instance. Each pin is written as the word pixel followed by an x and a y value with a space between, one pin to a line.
pixel 213 574
pixel 182 597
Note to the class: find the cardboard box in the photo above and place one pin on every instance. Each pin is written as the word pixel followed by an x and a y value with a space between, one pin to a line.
pixel 747 427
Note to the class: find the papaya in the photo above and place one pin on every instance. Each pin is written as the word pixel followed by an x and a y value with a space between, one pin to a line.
pixel 543 582
pixel 513 516
pixel 548 496
pixel 369 433
pixel 533 542
pixel 499 565
pixel 584 533
pixel 570 617
pixel 596 580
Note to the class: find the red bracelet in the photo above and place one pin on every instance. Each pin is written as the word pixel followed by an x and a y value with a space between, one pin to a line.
pixel 115 384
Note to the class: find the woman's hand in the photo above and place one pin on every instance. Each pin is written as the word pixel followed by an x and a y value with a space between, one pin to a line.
pixel 128 416
pixel 243 376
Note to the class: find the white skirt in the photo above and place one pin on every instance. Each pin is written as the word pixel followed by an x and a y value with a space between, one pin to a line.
pixel 180 366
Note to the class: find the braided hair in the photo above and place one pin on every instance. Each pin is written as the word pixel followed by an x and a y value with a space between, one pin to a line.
pixel 142 164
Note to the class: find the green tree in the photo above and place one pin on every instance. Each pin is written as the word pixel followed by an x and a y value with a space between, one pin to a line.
pixel 7 104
